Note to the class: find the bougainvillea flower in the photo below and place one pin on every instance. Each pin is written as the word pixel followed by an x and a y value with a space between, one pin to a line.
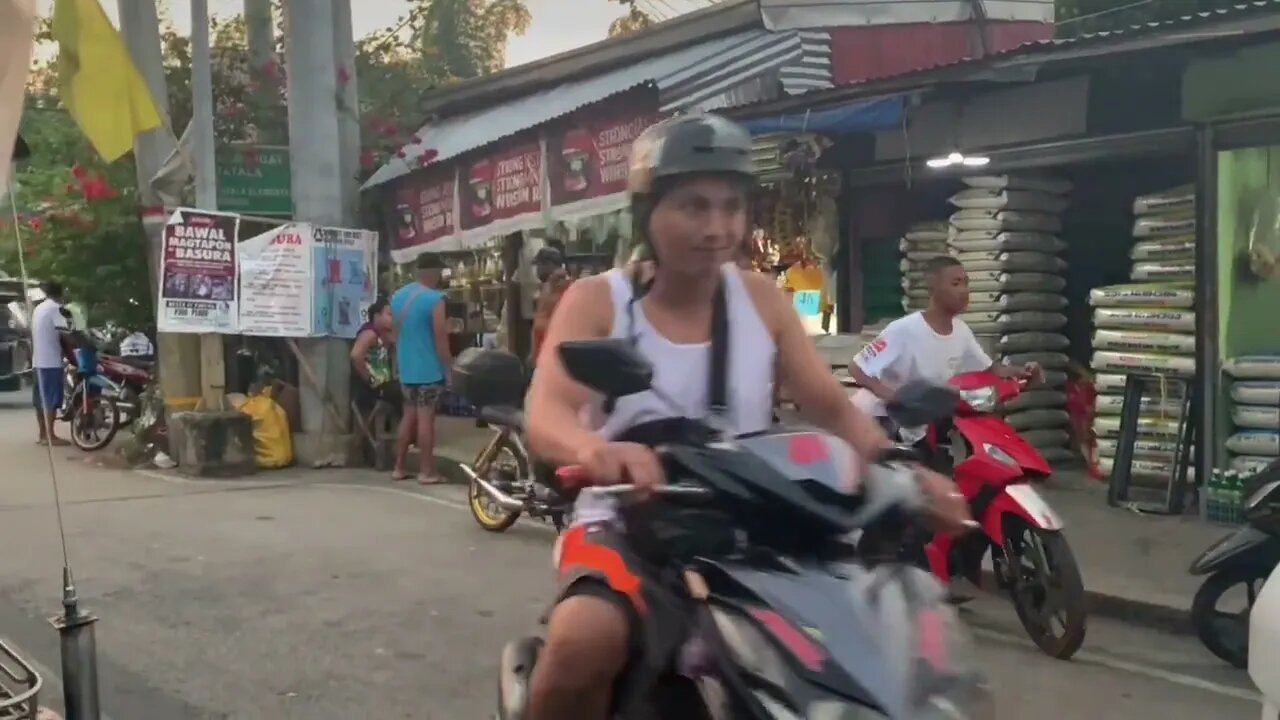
pixel 428 155
pixel 79 172
pixel 36 224
pixel 343 76
pixel 368 159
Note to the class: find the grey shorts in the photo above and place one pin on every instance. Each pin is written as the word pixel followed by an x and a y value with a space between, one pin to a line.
pixel 422 396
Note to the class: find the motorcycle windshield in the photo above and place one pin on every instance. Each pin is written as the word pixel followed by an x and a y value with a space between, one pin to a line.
pixel 807 455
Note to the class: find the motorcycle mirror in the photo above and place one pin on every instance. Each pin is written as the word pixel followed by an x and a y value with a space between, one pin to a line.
pixel 922 403
pixel 611 367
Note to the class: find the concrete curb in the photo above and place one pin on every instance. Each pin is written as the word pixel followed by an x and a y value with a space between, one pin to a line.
pixel 1135 612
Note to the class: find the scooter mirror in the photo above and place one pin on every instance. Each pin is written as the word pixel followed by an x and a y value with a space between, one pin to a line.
pixel 922 403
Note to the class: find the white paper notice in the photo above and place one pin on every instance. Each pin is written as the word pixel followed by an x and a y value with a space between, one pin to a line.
pixel 276 282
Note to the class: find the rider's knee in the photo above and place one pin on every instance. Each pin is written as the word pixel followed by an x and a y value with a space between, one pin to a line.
pixel 587 640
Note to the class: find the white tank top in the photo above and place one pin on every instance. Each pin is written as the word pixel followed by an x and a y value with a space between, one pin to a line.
pixel 682 372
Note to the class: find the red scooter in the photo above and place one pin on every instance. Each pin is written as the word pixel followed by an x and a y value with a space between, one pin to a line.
pixel 993 468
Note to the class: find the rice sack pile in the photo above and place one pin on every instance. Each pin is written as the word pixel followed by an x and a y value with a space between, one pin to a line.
pixel 1148 327
pixel 924 240
pixel 1255 411
pixel 1005 233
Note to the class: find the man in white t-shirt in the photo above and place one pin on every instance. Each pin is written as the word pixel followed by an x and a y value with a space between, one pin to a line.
pixel 933 345
pixel 46 361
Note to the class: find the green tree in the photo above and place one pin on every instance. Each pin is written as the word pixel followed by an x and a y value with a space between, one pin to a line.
pixel 1081 17
pixel 635 19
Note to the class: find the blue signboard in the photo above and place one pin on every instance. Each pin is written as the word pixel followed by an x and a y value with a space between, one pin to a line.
pixel 345 271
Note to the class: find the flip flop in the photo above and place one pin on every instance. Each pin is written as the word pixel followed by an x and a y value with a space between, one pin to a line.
pixel 399 477
pixel 430 480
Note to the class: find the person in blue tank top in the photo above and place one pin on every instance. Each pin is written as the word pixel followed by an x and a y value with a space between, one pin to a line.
pixel 423 359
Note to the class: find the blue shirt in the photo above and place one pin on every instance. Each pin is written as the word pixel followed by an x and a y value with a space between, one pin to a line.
pixel 412 308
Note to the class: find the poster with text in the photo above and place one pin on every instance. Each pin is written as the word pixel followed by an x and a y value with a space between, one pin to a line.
pixel 588 160
pixel 501 193
pixel 424 214
pixel 276 282
pixel 198 273
pixel 344 279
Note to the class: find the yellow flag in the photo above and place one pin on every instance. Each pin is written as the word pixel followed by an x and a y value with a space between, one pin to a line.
pixel 99 84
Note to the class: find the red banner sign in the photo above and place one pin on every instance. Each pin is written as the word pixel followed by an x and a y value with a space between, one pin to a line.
pixel 502 192
pixel 590 158
pixel 423 212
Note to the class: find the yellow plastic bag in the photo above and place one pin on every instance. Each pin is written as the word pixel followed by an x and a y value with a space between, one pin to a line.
pixel 272 439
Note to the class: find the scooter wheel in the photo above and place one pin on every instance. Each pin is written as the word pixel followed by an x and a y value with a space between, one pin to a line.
pixel 488 514
pixel 1046 588
pixel 1226 635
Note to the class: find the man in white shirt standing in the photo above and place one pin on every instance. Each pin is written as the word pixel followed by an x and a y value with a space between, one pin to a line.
pixel 933 345
pixel 46 360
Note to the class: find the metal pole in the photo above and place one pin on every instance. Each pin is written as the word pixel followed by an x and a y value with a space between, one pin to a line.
pixel 1206 305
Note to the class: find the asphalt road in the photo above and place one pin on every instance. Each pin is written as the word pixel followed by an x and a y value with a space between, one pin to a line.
pixel 331 595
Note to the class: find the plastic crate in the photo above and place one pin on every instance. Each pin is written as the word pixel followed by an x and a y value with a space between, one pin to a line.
pixel 1222 503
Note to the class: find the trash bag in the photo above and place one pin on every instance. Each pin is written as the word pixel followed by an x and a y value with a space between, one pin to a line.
pixel 272 437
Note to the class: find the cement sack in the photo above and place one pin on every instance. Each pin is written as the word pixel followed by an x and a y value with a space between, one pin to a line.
pixel 980 322
pixel 1109 383
pixel 1038 419
pixel 1176 248
pixel 1255 442
pixel 1046 360
pixel 1057 455
pixel 1150 405
pixel 1007 242
pixel 1145 341
pixel 986 298
pixel 1143 363
pixel 1156 319
pixel 1253 367
pixel 1181 199
pixel 929 231
pixel 1164 225
pixel 1147 449
pixel 920 257
pixel 1251 463
pixel 1006 220
pixel 1054 379
pixel 1144 295
pixel 1029 320
pixel 1020 301
pixel 988 343
pixel 905 245
pixel 1163 271
pixel 1108 426
pixel 1046 438
pixel 1256 392
pixel 914 291
pixel 986 307
pixel 1034 399
pixel 1020 181
pixel 1033 342
pixel 1035 282
pixel 911 304
pixel 1005 199
pixel 1256 417
pixel 1146 469
pixel 1012 261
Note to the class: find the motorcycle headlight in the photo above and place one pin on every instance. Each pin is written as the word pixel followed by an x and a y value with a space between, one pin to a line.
pixel 982 400
pixel 999 455
pixel 1260 494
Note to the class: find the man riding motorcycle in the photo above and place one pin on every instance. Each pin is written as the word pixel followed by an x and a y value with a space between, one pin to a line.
pixel 933 344
pixel 616 625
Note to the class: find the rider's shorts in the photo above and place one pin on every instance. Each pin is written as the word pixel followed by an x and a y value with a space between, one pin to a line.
pixel 593 559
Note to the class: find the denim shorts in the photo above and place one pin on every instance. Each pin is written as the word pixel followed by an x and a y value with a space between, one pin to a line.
pixel 47 391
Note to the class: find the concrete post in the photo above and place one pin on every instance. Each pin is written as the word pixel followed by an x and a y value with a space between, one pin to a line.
pixel 213 372
pixel 178 354
pixel 315 142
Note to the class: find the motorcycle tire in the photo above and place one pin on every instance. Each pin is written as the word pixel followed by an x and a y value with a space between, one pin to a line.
pixel 1064 572
pixel 1206 619
pixel 111 412
pixel 486 515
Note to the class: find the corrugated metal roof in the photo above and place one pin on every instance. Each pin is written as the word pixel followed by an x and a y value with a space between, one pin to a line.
pixel 1239 19
pixel 686 79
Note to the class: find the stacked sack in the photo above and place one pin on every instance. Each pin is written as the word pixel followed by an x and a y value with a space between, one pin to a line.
pixel 1148 327
pixel 923 241
pixel 1004 233
pixel 1255 412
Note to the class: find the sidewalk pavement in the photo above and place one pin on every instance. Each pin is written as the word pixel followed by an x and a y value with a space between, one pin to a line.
pixel 1134 565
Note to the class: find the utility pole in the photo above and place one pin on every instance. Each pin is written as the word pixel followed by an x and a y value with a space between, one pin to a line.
pixel 213 371
pixel 315 142
pixel 178 353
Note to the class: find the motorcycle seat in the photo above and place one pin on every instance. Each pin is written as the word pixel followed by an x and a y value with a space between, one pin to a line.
pixel 504 415
pixel 139 363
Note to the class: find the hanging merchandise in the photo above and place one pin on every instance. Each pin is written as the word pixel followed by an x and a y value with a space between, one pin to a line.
pixel 1003 234
pixel 1148 327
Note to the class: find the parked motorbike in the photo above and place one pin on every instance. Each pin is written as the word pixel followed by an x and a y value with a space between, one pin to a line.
pixel 783 622
pixel 1246 557
pixel 503 481
pixel 993 468
pixel 89 403
pixel 132 376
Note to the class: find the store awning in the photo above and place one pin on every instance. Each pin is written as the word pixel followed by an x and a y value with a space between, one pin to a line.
pixel 877 114
pixel 691 78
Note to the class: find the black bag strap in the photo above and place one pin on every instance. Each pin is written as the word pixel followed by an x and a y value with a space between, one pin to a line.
pixel 718 373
